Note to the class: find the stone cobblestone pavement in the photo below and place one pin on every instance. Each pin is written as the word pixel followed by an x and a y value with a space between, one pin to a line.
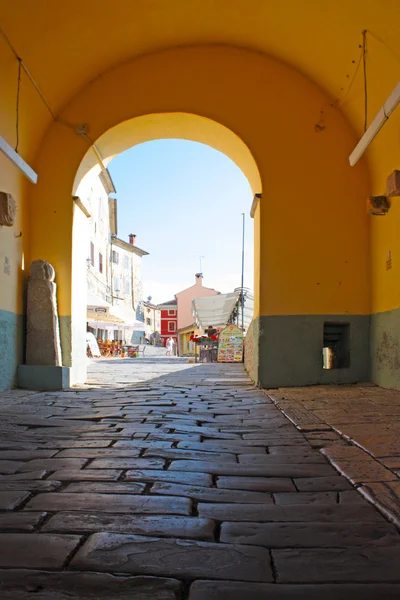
pixel 184 482
pixel 357 427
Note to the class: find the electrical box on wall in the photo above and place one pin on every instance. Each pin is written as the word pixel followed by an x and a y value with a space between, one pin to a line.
pixel 393 184
pixel 378 205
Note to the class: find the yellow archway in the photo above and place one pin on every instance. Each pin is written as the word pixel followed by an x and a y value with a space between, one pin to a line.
pixel 167 126
pixel 311 222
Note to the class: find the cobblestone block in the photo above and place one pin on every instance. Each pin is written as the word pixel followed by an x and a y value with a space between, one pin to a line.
pixel 367 564
pixel 310 535
pixel 112 503
pixel 233 590
pixel 22 585
pixel 180 558
pixel 35 551
pixel 207 494
pixel 152 476
pixel 153 525
pixel 86 475
pixel 11 500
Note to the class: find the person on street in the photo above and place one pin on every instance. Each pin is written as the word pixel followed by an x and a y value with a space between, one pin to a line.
pixel 169 346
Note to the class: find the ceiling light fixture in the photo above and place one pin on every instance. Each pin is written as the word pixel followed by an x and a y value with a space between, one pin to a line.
pixel 17 160
pixel 376 125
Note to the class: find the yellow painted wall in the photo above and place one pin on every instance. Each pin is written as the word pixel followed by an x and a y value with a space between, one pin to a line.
pixel 384 154
pixel 319 252
pixel 314 241
pixel 257 258
pixel 33 118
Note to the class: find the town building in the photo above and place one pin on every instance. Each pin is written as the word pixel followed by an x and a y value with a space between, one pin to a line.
pixel 177 317
pixel 169 321
pixel 114 266
pixel 152 321
pixel 186 297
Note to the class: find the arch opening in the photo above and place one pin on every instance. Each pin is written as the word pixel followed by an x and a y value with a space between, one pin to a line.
pixel 89 183
pixel 174 125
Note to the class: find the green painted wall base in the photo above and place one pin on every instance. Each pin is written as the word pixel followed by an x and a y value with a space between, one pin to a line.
pixel 11 347
pixel 43 378
pixel 385 349
pixel 289 350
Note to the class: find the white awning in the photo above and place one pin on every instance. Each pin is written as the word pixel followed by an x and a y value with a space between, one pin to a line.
pixel 96 302
pixel 214 310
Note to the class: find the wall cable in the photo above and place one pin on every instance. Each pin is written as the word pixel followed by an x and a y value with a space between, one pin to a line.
pixel 364 55
pixel 17 106
pixel 25 68
pixel 55 117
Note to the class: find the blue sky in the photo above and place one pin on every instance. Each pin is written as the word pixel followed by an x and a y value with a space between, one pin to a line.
pixel 184 200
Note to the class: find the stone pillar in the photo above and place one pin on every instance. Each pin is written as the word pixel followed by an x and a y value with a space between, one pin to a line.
pixel 43 369
pixel 43 334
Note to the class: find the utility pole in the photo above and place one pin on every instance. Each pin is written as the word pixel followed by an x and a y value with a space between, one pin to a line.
pixel 201 266
pixel 242 286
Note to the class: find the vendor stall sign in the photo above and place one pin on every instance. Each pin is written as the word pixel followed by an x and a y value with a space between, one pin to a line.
pixel 230 345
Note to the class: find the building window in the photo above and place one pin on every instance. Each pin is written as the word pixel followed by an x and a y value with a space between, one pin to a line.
pixel 172 312
pixel 92 254
pixel 116 284
pixel 126 262
pixel 148 321
pixel 100 262
pixel 171 326
pixel 115 257
pixel 127 287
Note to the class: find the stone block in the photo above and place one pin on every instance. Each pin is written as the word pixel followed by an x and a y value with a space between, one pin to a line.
pixel 30 485
pixel 99 453
pixel 43 334
pixel 274 470
pixel 36 551
pixel 11 500
pixel 86 475
pixel 20 521
pixel 52 464
pixel 126 463
pixel 184 559
pixel 234 590
pixel 9 467
pixel 207 494
pixel 341 565
pixel 21 584
pixel 104 487
pixel 306 498
pixel 310 535
pixel 326 513
pixel 43 377
pixel 257 484
pixel 153 525
pixel 322 484
pixel 152 476
pixel 178 454
pixel 215 446
pixel 111 503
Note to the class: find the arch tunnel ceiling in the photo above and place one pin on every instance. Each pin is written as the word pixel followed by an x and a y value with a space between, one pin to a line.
pixel 68 45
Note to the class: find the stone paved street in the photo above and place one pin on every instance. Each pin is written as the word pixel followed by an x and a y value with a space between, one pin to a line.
pixel 164 480
pixel 357 428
